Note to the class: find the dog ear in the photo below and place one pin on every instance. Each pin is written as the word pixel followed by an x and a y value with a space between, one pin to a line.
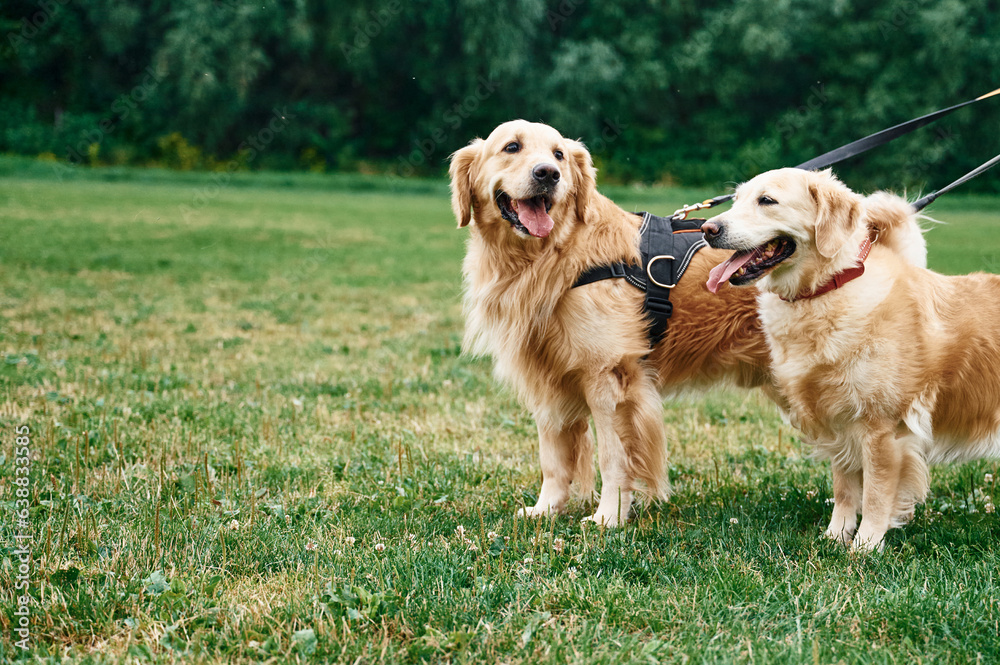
pixel 584 178
pixel 462 175
pixel 838 210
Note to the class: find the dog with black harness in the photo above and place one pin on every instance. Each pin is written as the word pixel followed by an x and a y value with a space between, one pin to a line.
pixel 589 311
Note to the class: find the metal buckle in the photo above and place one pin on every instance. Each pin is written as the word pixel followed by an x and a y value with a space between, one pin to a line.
pixel 683 212
pixel 650 274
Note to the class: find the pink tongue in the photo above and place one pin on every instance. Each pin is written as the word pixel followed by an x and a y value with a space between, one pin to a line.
pixel 532 214
pixel 722 272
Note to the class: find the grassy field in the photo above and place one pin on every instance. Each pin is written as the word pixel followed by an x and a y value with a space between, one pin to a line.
pixel 253 438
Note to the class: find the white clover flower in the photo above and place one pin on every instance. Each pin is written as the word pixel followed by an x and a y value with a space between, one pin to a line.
pixel 733 520
pixel 234 524
pixel 311 546
pixel 558 544
pixel 379 547
pixel 350 540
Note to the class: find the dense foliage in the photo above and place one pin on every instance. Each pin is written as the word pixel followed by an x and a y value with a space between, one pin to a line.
pixel 662 90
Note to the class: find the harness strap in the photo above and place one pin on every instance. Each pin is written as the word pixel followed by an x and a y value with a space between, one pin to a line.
pixel 657 255
pixel 666 245
pixel 598 273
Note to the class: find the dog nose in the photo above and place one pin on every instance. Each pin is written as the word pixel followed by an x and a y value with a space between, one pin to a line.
pixel 547 174
pixel 711 229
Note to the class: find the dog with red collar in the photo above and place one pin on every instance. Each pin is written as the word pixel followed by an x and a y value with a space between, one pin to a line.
pixel 886 366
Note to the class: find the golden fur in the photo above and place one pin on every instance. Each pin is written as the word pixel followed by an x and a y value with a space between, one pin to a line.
pixel 896 369
pixel 571 354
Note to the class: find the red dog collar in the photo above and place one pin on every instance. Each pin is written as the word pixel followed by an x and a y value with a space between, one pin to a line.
pixel 845 276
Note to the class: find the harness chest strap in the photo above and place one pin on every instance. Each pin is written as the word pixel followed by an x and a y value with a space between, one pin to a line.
pixel 667 245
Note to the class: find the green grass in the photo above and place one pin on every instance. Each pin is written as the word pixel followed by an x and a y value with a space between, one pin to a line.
pixel 229 410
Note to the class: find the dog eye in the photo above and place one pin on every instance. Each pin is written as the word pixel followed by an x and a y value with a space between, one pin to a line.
pixel 512 147
pixel 558 154
pixel 766 201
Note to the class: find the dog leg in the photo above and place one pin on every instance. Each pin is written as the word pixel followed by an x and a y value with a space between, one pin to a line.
pixel 560 451
pixel 847 495
pixel 883 461
pixel 628 417
pixel 914 480
pixel 616 490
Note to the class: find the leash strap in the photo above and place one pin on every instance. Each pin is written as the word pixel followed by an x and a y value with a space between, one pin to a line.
pixel 922 203
pixel 855 148
pixel 884 136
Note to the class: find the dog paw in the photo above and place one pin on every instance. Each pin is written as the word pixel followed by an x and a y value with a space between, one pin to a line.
pixel 842 536
pixel 868 542
pixel 536 511
pixel 609 521
pixel 902 519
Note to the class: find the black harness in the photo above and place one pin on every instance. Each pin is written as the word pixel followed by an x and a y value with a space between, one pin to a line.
pixel 667 245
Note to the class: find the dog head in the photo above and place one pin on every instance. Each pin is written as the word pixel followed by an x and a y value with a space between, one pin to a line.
pixel 792 229
pixel 524 179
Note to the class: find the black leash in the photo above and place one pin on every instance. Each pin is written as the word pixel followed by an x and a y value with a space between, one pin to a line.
pixel 883 137
pixel 922 203
pixel 855 148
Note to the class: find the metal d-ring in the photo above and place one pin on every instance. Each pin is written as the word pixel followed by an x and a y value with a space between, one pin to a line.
pixel 650 274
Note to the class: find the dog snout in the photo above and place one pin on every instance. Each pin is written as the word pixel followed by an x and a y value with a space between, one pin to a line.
pixel 546 174
pixel 711 230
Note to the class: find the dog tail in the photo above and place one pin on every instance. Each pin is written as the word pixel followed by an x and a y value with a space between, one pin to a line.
pixel 897 226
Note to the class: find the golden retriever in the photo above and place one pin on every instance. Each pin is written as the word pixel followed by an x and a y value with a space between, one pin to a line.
pixel 536 223
pixel 896 368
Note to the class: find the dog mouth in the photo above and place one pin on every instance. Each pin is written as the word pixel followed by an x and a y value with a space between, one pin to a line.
pixel 745 267
pixel 528 216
